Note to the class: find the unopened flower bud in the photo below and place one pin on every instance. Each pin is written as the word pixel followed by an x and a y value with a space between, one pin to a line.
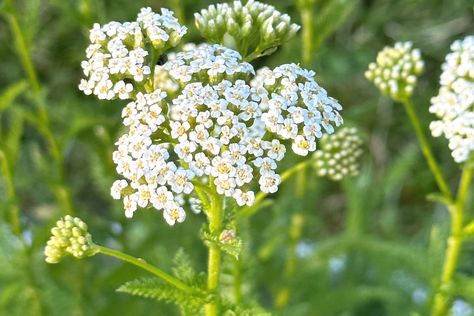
pixel 255 23
pixel 396 70
pixel 69 237
pixel 227 236
pixel 338 154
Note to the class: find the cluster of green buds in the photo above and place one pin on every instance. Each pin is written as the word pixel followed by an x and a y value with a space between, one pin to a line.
pixel 256 28
pixel 339 154
pixel 396 70
pixel 69 237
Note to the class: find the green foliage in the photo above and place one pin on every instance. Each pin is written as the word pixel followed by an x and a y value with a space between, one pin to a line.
pixel 156 289
pixel 227 241
pixel 372 245
pixel 9 94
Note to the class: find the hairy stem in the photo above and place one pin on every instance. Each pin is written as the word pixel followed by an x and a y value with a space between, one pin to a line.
pixel 442 299
pixel 145 266
pixel 426 149
pixel 215 216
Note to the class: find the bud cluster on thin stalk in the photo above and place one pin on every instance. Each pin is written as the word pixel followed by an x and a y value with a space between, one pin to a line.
pixel 69 237
pixel 339 154
pixel 454 104
pixel 257 24
pixel 212 119
pixel 396 70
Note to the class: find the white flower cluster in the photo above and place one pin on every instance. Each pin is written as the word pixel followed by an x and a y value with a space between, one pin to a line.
pixel 298 108
pixel 152 177
pixel 339 154
pixel 454 104
pixel 205 122
pixel 207 63
pixel 254 22
pixel 116 59
pixel 396 70
pixel 225 138
pixel 69 237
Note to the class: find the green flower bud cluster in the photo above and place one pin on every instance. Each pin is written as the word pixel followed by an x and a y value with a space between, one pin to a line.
pixel 339 154
pixel 69 237
pixel 254 23
pixel 396 70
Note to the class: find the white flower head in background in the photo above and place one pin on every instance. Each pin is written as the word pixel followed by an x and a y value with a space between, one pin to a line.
pixel 454 104
pixel 396 70
pixel 339 154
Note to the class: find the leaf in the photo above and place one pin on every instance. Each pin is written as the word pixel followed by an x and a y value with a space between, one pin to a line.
pixel 463 285
pixel 19 295
pixel 440 198
pixel 183 270
pixel 156 289
pixel 11 143
pixel 469 229
pixel 242 311
pixel 227 241
pixel 9 94
pixel 330 19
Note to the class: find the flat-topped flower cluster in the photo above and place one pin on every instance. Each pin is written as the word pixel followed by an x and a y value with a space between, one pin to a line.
pixel 117 60
pixel 454 104
pixel 221 124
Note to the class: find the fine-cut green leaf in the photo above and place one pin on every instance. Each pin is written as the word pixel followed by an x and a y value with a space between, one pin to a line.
pixel 9 94
pixel 156 289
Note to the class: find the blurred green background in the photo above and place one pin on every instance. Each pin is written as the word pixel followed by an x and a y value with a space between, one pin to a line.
pixel 371 245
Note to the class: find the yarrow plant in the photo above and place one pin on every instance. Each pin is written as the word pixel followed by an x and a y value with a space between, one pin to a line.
pixel 395 74
pixel 204 129
pixel 454 104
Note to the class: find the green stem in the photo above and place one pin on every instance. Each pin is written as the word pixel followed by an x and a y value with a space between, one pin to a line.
pixel 442 299
pixel 145 266
pixel 251 210
pixel 307 38
pixel 294 232
pixel 43 124
pixel 215 216
pixel 355 212
pixel 426 149
pixel 13 210
pixel 23 51
pixel 237 284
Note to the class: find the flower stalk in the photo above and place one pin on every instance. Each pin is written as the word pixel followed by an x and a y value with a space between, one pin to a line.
pixel 456 238
pixel 259 198
pixel 426 149
pixel 215 217
pixel 145 266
